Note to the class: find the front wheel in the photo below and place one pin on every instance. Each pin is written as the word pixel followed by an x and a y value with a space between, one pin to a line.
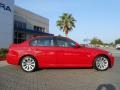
pixel 101 63
pixel 28 64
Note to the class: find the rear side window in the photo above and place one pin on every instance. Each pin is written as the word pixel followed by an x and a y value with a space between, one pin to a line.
pixel 42 42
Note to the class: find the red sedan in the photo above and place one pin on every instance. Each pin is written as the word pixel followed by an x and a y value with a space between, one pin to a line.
pixel 57 52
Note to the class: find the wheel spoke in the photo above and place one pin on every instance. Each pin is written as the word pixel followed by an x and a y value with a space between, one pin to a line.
pixel 25 67
pixel 28 68
pixel 31 67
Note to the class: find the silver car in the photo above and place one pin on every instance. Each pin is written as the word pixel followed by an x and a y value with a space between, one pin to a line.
pixel 118 46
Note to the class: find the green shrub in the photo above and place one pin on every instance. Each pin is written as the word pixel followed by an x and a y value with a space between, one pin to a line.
pixel 3 52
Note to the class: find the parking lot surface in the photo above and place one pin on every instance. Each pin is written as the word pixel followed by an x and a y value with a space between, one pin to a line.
pixel 13 78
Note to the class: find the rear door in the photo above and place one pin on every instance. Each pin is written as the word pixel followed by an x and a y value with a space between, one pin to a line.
pixel 44 51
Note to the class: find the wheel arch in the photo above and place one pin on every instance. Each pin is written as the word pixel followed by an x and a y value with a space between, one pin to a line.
pixel 25 56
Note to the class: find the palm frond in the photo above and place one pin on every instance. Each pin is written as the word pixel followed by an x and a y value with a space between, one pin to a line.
pixel 66 22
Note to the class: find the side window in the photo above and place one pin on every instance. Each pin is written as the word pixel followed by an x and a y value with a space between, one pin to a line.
pixel 64 42
pixel 33 42
pixel 71 43
pixel 61 42
pixel 42 42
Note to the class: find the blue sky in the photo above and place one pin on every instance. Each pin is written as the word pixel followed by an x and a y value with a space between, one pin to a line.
pixel 95 18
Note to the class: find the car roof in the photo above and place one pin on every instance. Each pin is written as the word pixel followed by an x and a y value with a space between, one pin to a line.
pixel 48 37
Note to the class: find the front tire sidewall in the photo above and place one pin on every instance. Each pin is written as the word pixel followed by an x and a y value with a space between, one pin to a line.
pixel 33 68
pixel 98 69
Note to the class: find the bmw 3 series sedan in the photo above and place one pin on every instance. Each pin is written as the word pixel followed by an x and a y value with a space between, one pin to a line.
pixel 57 52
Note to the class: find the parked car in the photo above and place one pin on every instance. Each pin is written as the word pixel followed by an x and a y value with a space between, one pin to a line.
pixel 57 52
pixel 118 46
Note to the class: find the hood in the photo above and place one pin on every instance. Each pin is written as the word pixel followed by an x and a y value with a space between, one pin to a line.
pixel 97 50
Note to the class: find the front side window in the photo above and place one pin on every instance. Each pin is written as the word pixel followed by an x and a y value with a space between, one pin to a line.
pixel 61 42
pixel 42 42
pixel 71 43
pixel 64 42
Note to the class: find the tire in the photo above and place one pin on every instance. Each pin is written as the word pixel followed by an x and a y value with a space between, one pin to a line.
pixel 101 63
pixel 28 64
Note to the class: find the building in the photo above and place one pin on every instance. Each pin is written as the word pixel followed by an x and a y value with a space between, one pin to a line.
pixel 6 22
pixel 28 24
pixel 18 24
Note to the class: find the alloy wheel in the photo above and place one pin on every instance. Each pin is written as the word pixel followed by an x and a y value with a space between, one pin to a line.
pixel 28 64
pixel 101 63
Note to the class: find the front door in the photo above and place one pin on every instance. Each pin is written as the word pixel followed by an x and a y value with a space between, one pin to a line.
pixel 67 54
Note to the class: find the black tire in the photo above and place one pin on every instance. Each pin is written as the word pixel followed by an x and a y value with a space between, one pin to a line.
pixel 28 64
pixel 101 63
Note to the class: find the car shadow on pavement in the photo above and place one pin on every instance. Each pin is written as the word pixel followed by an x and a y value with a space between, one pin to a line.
pixel 106 87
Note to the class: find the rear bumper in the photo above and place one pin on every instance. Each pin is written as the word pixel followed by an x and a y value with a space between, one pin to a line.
pixel 12 59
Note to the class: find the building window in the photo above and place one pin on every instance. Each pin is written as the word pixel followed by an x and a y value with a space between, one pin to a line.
pixel 18 24
pixel 37 28
pixel 19 37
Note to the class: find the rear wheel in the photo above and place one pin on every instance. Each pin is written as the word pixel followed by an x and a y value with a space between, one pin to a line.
pixel 101 63
pixel 28 64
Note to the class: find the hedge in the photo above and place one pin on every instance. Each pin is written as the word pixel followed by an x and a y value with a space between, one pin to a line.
pixel 3 52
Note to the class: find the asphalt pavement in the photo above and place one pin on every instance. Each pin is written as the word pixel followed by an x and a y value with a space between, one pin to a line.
pixel 13 78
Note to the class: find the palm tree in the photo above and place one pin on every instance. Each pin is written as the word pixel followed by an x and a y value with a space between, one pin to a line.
pixel 66 23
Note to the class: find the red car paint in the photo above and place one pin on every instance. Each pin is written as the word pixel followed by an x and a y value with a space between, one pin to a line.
pixel 56 56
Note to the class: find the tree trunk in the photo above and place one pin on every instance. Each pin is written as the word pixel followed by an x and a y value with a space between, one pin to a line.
pixel 66 33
